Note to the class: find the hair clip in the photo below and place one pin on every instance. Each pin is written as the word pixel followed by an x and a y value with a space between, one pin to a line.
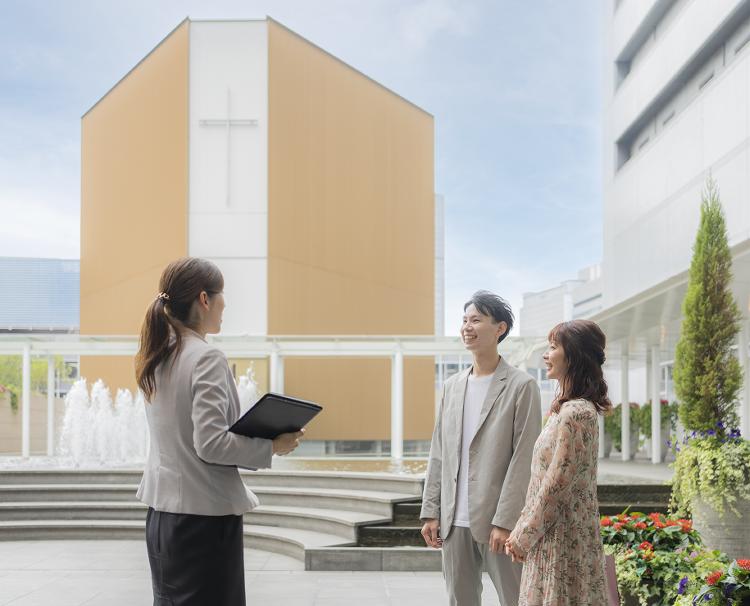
pixel 163 295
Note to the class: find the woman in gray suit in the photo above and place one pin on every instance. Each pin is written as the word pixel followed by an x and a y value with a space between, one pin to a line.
pixel 191 483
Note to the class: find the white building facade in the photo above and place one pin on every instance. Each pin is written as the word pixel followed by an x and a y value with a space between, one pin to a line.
pixel 677 110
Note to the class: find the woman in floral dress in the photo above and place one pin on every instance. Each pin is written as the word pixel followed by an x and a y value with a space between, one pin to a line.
pixel 557 536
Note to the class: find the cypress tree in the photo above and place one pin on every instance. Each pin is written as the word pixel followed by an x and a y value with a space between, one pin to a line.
pixel 707 376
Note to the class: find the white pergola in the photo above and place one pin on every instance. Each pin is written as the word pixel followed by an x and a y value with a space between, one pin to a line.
pixel 517 350
pixel 645 329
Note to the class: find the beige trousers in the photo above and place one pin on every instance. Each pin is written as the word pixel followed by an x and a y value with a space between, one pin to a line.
pixel 463 562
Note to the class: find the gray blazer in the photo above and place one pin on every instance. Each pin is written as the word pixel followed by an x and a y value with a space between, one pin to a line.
pixel 193 459
pixel 499 455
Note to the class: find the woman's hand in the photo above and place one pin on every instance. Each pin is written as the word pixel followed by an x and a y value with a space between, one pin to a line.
pixel 513 552
pixel 287 442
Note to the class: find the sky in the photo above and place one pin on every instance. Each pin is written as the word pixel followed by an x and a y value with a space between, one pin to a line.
pixel 515 89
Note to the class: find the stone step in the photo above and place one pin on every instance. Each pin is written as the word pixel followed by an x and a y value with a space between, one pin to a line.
pixel 341 523
pixel 634 493
pixel 407 514
pixel 374 502
pixel 366 501
pixel 72 510
pixel 70 476
pixel 67 492
pixel 21 530
pixel 610 509
pixel 286 541
pixel 390 536
pixel 291 542
pixel 344 524
pixel 389 559
pixel 406 484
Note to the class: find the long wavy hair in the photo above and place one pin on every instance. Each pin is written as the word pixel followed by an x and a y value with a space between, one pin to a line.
pixel 180 285
pixel 583 344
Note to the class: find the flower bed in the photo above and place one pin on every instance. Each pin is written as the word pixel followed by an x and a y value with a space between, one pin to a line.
pixel 661 561
pixel 726 585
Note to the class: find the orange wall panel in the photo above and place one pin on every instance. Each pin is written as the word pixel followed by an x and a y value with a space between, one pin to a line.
pixel 134 194
pixel 351 199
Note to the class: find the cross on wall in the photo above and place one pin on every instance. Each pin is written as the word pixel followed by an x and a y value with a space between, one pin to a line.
pixel 227 124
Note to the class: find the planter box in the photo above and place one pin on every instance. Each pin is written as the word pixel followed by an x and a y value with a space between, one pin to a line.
pixel 730 533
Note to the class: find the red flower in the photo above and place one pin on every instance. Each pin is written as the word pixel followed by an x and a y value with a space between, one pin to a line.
pixel 658 524
pixel 673 523
pixel 618 525
pixel 714 577
pixel 744 564
pixel 646 545
pixel 606 521
pixel 687 525
pixel 640 525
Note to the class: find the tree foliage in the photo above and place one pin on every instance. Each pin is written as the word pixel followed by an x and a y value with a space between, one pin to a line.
pixel 707 375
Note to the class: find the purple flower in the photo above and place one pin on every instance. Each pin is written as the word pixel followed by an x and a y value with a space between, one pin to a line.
pixel 682 586
pixel 711 432
pixel 694 554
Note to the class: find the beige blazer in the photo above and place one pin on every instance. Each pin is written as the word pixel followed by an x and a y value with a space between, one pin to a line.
pixel 499 455
pixel 193 459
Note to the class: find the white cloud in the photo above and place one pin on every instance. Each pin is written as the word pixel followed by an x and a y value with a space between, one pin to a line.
pixel 422 22
pixel 34 223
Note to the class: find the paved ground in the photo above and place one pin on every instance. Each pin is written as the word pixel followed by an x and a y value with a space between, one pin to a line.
pixel 638 471
pixel 115 573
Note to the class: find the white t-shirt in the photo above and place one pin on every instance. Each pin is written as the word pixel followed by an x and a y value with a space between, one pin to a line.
pixel 476 392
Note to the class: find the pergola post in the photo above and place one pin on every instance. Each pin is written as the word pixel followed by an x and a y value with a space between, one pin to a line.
pixel 656 437
pixel 744 340
pixel 50 406
pixel 397 406
pixel 26 402
pixel 625 398
pixel 276 372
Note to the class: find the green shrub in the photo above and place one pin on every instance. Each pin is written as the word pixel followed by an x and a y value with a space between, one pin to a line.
pixel 713 465
pixel 707 375
pixel 669 413
pixel 613 423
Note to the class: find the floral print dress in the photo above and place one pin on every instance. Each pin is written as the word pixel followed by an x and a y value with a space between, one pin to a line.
pixel 558 531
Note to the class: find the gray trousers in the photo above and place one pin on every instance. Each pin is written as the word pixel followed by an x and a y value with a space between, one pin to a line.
pixel 463 562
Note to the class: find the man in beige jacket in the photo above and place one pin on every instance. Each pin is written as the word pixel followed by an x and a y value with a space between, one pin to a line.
pixel 480 459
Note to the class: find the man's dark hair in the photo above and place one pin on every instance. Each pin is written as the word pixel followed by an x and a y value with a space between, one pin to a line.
pixel 496 307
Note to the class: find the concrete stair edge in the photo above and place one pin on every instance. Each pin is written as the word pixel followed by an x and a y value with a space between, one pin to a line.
pixel 386 559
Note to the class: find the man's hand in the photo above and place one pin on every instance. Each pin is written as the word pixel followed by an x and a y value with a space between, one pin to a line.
pixel 498 536
pixel 287 442
pixel 431 533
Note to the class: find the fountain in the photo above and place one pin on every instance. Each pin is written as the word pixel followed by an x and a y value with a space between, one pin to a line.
pixel 99 432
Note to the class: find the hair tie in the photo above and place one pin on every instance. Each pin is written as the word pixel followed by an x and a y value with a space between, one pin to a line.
pixel 162 295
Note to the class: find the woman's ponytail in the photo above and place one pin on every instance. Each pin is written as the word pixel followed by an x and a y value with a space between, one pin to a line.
pixel 180 285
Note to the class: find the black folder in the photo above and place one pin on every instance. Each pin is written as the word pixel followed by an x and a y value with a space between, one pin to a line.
pixel 275 414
